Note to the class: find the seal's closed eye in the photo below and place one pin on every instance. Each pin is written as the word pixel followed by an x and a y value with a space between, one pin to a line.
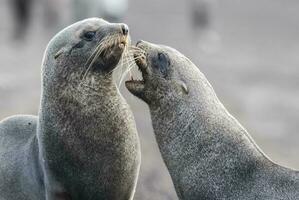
pixel 162 57
pixel 89 36
pixel 162 63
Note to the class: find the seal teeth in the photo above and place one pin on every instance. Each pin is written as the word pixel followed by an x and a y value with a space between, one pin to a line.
pixel 122 45
pixel 136 80
pixel 135 87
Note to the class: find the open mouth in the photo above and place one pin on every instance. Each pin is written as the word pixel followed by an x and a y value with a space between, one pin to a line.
pixel 137 85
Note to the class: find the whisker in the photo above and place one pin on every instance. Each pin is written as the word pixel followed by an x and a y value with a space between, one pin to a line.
pixel 136 51
pixel 124 55
pixel 99 45
pixel 99 49
pixel 95 51
pixel 134 47
pixel 124 63
pixel 129 68
pixel 129 60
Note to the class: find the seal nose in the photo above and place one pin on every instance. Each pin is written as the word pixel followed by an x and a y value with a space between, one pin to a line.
pixel 139 42
pixel 124 29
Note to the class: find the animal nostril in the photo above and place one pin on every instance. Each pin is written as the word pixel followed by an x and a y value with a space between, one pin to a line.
pixel 125 29
pixel 138 42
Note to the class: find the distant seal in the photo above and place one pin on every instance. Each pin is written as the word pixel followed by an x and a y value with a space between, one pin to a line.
pixel 208 153
pixel 84 143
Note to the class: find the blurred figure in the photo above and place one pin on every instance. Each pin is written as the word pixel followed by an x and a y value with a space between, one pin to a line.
pixel 60 13
pixel 22 13
pixel 114 10
pixel 51 12
pixel 57 13
pixel 111 10
pixel 207 40
pixel 200 14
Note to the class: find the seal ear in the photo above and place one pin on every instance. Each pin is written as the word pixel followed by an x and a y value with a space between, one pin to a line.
pixel 183 87
pixel 58 53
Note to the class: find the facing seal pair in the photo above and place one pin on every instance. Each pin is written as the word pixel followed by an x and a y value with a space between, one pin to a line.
pixel 208 153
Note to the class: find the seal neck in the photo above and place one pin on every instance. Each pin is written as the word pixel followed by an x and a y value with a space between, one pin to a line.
pixel 72 126
pixel 203 135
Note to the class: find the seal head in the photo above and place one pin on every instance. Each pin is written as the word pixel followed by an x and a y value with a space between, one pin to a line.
pixel 163 71
pixel 85 50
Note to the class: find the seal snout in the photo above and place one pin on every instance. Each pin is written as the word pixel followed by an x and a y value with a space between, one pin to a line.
pixel 140 56
pixel 124 36
pixel 138 42
pixel 140 60
pixel 111 42
pixel 124 29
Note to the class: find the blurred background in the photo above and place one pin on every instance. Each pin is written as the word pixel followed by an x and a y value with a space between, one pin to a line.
pixel 248 50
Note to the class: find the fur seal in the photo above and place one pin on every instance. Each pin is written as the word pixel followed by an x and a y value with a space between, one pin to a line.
pixel 84 143
pixel 208 153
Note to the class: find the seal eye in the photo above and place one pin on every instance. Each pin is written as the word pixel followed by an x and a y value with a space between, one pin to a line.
pixel 89 36
pixel 162 57
pixel 163 63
